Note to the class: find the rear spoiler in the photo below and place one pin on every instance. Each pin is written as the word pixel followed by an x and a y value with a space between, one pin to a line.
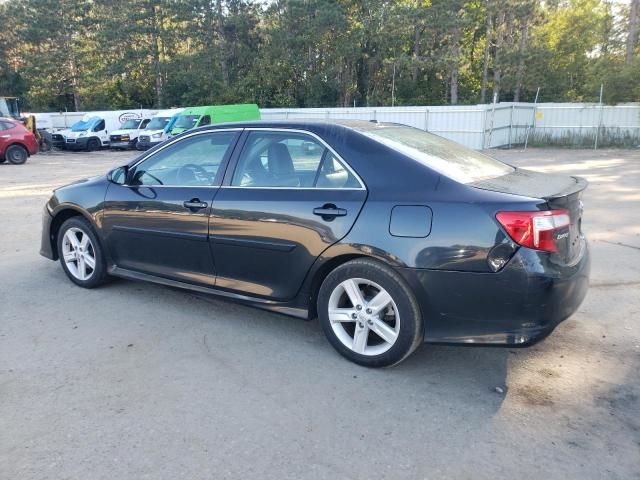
pixel 531 184
pixel 579 185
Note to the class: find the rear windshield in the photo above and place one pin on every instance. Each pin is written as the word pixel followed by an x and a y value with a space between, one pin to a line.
pixel 444 156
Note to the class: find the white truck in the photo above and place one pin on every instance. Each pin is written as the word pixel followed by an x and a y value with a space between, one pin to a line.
pixel 127 135
pixel 157 130
pixel 92 132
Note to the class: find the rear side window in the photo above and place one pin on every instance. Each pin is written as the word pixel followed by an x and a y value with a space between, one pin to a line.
pixel 444 156
pixel 290 160
pixel 6 125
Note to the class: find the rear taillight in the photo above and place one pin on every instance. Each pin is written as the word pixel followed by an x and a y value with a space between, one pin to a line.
pixel 537 230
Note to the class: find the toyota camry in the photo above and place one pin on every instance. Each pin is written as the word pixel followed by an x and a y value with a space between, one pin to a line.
pixel 389 235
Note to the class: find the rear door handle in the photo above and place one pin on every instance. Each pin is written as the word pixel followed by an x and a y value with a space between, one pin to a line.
pixel 329 211
pixel 195 204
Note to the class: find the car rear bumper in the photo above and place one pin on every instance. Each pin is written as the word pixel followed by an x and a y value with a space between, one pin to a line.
pixel 518 306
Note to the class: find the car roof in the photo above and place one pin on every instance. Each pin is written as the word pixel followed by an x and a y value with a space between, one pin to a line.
pixel 307 123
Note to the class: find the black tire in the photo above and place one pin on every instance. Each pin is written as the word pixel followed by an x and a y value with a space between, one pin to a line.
pixel 45 145
pixel 2 159
pixel 99 275
pixel 93 144
pixel 411 329
pixel 16 154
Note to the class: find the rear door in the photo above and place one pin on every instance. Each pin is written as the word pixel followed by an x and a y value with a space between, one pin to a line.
pixel 286 198
pixel 158 223
pixel 5 135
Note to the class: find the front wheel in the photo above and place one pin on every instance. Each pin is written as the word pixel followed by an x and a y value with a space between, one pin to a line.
pixel 16 154
pixel 93 144
pixel 369 314
pixel 81 254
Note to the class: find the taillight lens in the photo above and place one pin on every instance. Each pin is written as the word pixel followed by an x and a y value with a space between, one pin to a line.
pixel 535 230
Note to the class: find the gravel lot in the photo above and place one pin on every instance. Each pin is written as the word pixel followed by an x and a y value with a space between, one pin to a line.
pixel 135 381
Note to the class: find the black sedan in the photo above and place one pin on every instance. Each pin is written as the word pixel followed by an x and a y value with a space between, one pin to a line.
pixel 389 235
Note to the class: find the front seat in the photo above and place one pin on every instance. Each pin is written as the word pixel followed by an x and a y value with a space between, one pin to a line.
pixel 280 166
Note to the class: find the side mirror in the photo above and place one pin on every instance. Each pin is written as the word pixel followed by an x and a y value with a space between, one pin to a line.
pixel 118 175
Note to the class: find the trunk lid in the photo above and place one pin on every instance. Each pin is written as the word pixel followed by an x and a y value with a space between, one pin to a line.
pixel 559 191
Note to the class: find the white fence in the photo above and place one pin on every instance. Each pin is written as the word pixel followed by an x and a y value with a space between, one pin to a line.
pixel 483 126
pixel 499 125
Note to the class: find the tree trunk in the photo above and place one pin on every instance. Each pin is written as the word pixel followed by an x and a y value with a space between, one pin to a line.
pixel 155 47
pixel 455 53
pixel 521 64
pixel 497 74
pixel 485 62
pixel 632 38
pixel 223 43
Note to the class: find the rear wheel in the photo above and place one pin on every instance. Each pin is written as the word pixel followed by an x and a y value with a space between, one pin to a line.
pixel 2 159
pixel 80 253
pixel 93 144
pixel 16 154
pixel 369 314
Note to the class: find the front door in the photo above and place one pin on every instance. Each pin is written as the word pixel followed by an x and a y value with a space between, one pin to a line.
pixel 158 222
pixel 287 200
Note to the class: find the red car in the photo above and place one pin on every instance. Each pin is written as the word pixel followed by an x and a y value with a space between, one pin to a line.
pixel 17 143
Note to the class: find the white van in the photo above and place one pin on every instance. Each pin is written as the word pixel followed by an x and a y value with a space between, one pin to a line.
pixel 157 130
pixel 128 133
pixel 92 132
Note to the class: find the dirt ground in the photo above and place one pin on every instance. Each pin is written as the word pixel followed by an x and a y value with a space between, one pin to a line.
pixel 136 381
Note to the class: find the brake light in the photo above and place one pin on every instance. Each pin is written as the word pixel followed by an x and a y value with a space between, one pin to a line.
pixel 535 229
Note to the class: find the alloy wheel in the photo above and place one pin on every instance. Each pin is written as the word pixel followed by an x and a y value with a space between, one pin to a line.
pixel 364 316
pixel 79 254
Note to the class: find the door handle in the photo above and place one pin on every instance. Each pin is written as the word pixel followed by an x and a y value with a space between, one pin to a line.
pixel 329 211
pixel 195 204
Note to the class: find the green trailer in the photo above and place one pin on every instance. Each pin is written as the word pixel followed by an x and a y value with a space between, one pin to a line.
pixel 193 117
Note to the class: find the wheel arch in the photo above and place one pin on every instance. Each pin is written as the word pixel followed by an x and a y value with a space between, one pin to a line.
pixel 321 273
pixel 63 214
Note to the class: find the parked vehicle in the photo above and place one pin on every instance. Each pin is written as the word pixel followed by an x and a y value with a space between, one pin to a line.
pixel 17 143
pixel 390 235
pixel 193 117
pixel 127 135
pixel 9 108
pixel 92 132
pixel 158 129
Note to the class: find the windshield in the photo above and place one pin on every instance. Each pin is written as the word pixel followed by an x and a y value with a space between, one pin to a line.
pixel 187 121
pixel 130 124
pixel 9 107
pixel 444 156
pixel 158 123
pixel 83 125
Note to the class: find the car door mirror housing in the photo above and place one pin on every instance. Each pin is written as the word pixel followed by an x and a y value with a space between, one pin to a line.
pixel 118 175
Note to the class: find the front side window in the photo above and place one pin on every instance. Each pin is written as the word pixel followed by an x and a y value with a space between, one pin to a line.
pixel 99 127
pixel 206 120
pixel 191 161
pixel 289 159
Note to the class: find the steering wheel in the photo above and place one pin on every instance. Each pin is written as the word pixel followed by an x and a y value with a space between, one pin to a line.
pixel 191 173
